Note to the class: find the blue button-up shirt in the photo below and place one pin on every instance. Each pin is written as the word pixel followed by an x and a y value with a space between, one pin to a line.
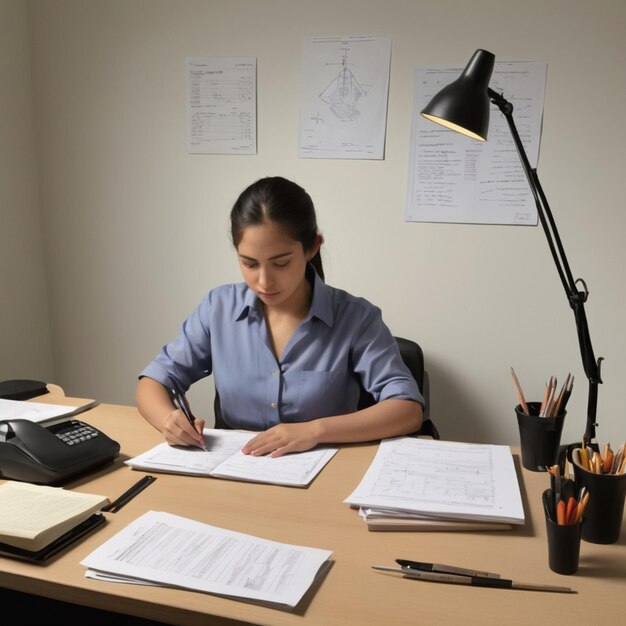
pixel 341 346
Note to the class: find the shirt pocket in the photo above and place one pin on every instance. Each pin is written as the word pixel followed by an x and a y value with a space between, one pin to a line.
pixel 321 394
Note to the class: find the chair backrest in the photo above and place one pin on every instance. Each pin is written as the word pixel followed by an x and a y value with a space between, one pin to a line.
pixel 217 409
pixel 413 357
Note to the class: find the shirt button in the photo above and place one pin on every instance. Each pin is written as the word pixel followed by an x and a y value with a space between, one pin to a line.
pixel 275 373
pixel 273 405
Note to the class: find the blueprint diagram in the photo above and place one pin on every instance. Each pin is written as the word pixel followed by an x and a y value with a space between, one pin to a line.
pixel 343 102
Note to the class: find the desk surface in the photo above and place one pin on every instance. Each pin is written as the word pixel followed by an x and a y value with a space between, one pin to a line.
pixel 351 592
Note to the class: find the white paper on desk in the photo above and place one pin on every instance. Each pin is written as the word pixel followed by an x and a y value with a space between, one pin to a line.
pixel 179 552
pixel 224 459
pixel 37 411
pixel 442 479
pixel 114 578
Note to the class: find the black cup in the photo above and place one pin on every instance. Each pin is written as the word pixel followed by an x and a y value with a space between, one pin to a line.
pixel 563 543
pixel 605 509
pixel 540 437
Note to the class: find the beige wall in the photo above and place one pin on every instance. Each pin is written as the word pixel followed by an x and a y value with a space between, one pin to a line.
pixel 137 228
pixel 25 350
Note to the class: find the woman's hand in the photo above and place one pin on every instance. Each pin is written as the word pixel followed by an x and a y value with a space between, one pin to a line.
pixel 178 431
pixel 284 438
pixel 389 418
pixel 155 405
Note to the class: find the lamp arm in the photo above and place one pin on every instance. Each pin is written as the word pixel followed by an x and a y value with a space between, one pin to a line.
pixel 575 297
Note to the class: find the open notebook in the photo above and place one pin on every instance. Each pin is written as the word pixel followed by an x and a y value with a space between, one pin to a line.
pixel 224 459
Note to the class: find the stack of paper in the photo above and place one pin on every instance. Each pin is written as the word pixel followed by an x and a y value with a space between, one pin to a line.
pixel 164 549
pixel 389 519
pixel 223 459
pixel 425 484
pixel 40 411
pixel 34 517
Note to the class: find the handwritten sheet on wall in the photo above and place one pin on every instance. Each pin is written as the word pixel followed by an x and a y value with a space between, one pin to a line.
pixel 221 105
pixel 456 179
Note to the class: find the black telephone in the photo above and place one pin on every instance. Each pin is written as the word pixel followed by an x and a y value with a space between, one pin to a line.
pixel 52 454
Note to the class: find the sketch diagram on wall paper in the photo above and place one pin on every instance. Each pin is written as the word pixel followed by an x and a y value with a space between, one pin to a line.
pixel 343 93
pixel 343 102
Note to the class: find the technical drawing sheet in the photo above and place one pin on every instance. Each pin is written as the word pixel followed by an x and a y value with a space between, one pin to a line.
pixel 445 479
pixel 343 101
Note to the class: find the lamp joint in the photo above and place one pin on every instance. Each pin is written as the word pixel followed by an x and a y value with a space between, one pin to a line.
pixel 500 101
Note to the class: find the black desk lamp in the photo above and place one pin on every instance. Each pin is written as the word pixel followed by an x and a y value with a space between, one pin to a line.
pixel 463 106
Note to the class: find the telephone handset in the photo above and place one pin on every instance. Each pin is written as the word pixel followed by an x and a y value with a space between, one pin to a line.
pixel 52 454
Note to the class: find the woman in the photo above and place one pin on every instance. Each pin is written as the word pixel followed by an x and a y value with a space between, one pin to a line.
pixel 289 354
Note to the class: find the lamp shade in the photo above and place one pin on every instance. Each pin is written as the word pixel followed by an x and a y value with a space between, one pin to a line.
pixel 463 105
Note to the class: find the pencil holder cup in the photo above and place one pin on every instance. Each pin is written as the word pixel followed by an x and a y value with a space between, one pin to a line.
pixel 605 510
pixel 563 545
pixel 540 437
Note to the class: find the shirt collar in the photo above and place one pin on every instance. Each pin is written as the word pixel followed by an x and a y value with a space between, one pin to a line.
pixel 251 306
pixel 321 304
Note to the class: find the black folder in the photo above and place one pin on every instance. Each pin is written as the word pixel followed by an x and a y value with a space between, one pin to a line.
pixel 57 546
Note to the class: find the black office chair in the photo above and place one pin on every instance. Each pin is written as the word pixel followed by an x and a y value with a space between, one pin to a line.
pixel 413 357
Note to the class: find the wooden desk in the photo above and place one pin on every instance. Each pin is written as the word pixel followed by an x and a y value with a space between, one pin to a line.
pixel 351 593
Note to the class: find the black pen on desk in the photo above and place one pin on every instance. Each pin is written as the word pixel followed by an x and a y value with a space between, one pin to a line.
pixel 180 401
pixel 474 581
pixel 444 569
pixel 129 494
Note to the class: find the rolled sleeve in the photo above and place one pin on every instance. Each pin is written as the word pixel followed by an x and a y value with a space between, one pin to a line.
pixel 379 363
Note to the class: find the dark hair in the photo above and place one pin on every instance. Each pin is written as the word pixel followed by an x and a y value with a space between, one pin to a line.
pixel 278 200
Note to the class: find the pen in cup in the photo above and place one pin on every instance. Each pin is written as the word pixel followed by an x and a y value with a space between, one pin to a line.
pixel 181 402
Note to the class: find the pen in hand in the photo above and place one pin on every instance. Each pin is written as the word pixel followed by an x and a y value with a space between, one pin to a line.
pixel 181 402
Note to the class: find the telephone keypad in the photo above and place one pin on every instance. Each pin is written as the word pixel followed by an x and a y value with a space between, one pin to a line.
pixel 76 432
